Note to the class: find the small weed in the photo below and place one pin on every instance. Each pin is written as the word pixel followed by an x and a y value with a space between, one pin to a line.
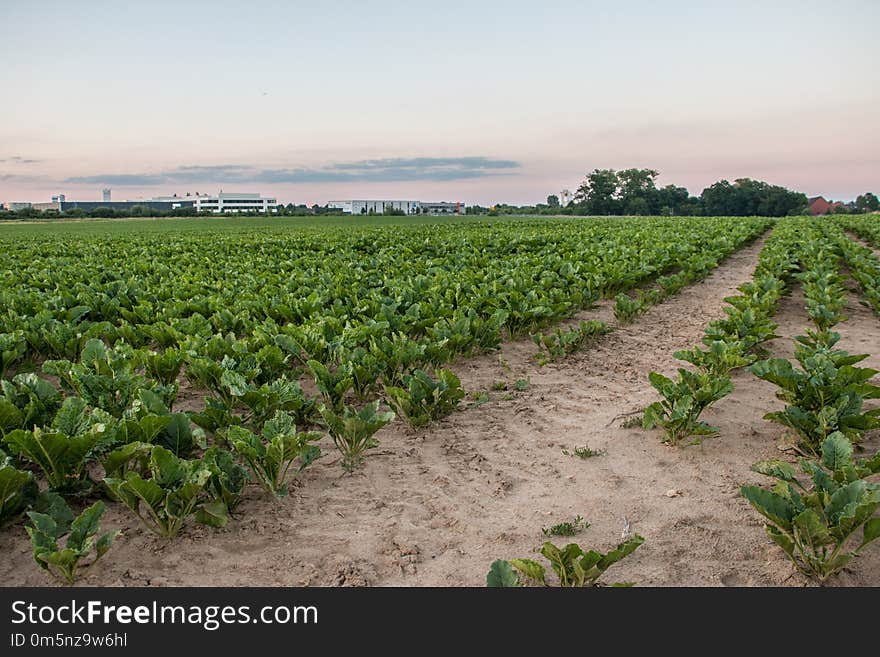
pixel 479 398
pixel 522 385
pixel 635 421
pixel 566 528
pixel 499 385
pixel 584 452
pixel 507 397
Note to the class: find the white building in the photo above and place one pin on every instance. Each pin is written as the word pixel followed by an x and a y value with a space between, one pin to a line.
pixel 227 202
pixel 375 207
pixel 356 207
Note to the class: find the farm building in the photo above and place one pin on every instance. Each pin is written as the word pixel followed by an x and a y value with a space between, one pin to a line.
pixel 818 205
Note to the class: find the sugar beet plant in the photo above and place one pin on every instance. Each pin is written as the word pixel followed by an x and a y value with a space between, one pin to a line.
pixel 170 492
pixel 683 401
pixel 56 521
pixel 422 399
pixel 560 343
pixel 271 455
pixel 352 431
pixel 18 490
pixel 573 565
pixel 816 523
pixel 825 394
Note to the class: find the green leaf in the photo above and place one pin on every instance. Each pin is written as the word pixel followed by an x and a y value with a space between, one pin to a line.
pixel 771 505
pixel 871 532
pixel 501 575
pixel 836 451
pixel 213 514
pixel 777 469
pixel 85 526
pixel 531 569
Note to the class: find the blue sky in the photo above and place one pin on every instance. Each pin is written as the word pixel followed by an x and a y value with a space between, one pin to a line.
pixel 474 101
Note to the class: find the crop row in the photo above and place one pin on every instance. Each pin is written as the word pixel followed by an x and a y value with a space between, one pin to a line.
pixel 812 515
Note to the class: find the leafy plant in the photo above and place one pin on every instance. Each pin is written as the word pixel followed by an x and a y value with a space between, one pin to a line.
pixel 825 395
pixel 747 325
pixel 719 359
pixel 567 528
pixel 502 575
pixel 47 529
pixel 18 490
pixel 228 477
pixel 814 524
pixel 626 308
pixel 176 433
pixel 27 402
pixel 573 565
pixel 332 384
pixel 683 402
pixel 104 378
pixel 174 490
pixel 352 431
pixel 13 347
pixel 62 458
pixel 271 457
pixel 559 343
pixel 424 400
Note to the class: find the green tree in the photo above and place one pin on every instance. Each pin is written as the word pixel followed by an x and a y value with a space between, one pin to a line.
pixel 597 194
pixel 867 202
pixel 553 201
pixel 638 193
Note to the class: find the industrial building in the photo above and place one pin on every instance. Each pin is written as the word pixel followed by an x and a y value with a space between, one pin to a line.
pixel 356 207
pixel 218 203
pixel 241 202
pixel 375 207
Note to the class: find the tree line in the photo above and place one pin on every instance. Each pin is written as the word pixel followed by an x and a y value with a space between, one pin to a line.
pixel 635 192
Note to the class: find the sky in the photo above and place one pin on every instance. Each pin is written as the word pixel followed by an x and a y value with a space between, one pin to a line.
pixel 472 101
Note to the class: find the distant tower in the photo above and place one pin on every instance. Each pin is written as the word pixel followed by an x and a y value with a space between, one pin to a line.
pixel 105 195
pixel 564 197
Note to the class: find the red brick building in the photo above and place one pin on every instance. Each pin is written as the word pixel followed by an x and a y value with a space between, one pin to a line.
pixel 818 205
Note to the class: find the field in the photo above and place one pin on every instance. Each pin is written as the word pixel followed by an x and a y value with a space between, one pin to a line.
pixel 398 401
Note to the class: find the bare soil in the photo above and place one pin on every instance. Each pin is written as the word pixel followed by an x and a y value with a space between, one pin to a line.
pixel 435 507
